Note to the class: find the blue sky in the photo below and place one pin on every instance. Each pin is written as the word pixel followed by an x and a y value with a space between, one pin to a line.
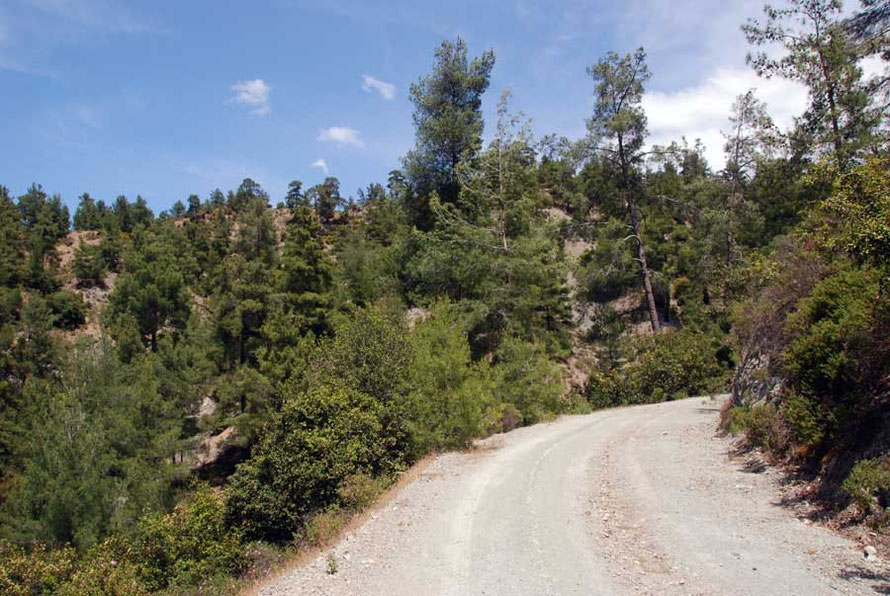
pixel 168 98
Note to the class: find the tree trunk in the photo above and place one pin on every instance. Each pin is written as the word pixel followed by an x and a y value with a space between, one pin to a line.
pixel 644 267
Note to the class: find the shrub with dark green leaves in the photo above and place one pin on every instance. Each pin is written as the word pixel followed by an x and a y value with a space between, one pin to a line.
pixel 677 364
pixel 805 419
pixel 89 265
pixel 69 309
pixel 322 437
pixel 452 393
pixel 370 352
pixel 868 486
pixel 764 428
pixel 527 379
pixel 189 545
pixel 735 419
pixel 670 365
pixel 607 388
pixel 829 332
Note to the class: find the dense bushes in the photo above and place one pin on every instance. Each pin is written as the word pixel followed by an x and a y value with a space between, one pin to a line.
pixel 322 437
pixel 190 546
pixel 375 399
pixel 819 328
pixel 868 486
pixel 667 366
pixel 527 380
pixel 831 353
pixel 452 394
pixel 763 426
pixel 69 309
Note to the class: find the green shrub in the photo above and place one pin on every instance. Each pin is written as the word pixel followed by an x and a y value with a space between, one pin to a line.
pixel 188 545
pixel 38 570
pixel 69 309
pixel 762 424
pixel 607 389
pixel 736 420
pixel 371 354
pixel 670 365
pixel 764 428
pixel 868 486
pixel 830 332
pixel 503 417
pixel 109 569
pixel 322 437
pixel 89 265
pixel 674 365
pixel 453 394
pixel 804 419
pixel 526 378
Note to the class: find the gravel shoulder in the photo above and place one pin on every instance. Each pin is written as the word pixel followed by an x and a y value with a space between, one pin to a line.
pixel 642 500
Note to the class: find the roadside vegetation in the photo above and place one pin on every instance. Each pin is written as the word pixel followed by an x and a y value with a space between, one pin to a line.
pixel 186 395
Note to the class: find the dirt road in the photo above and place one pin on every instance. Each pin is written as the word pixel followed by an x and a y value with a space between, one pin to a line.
pixel 640 500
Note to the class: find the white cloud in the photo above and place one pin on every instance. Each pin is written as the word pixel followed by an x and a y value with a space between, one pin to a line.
pixel 320 164
pixel 702 111
pixel 371 84
pixel 341 135
pixel 253 93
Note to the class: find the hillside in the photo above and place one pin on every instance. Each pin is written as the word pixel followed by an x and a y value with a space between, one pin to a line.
pixel 193 394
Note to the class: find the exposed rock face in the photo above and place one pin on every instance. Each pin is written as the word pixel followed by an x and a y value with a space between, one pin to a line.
pixel 210 449
pixel 216 456
pixel 753 380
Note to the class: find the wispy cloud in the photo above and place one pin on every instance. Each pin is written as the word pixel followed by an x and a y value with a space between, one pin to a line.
pixel 105 15
pixel 321 164
pixel 32 32
pixel 371 84
pixel 254 94
pixel 342 136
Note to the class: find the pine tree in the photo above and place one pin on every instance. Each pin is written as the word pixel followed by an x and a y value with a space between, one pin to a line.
pixel 448 125
pixel 12 239
pixel 619 117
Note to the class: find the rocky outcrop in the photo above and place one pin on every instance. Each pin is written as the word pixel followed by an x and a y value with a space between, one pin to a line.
pixel 754 380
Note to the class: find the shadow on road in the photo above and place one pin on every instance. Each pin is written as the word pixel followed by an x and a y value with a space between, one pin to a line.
pixel 858 572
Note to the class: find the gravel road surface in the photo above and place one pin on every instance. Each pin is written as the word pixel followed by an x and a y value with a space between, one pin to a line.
pixel 642 500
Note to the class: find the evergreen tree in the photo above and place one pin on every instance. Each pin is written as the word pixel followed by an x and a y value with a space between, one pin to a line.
pixel 619 118
pixel 247 192
pixel 152 291
pixel 46 222
pixel 326 198
pixel 294 197
pixel 88 266
pixel 12 241
pixel 448 125
pixel 820 55
pixel 194 205
pixel 87 216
